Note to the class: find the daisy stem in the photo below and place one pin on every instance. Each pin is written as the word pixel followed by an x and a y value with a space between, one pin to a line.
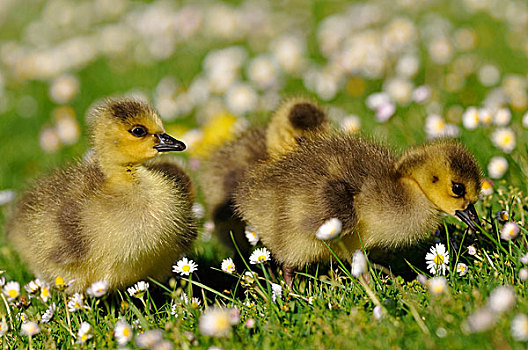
pixel 8 310
pixel 68 319
pixel 30 343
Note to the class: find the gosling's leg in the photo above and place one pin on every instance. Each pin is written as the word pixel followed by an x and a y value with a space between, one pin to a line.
pixel 288 273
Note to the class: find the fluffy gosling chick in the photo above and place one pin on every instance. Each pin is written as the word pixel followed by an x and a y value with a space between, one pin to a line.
pixel 382 201
pixel 295 121
pixel 115 216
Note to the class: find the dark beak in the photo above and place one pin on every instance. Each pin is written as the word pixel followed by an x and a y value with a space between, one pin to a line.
pixel 169 143
pixel 469 216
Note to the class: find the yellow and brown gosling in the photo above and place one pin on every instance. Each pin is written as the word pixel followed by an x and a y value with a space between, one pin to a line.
pixel 119 215
pixel 383 201
pixel 295 121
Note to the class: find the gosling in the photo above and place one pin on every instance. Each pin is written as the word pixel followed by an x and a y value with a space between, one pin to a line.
pixel 295 121
pixel 383 202
pixel 119 215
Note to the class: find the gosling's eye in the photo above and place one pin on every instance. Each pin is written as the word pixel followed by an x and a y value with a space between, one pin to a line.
pixel 458 189
pixel 138 131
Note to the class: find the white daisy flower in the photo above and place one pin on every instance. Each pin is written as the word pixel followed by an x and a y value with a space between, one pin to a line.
pixel 472 250
pixel 195 303
pixel 421 94
pixel 259 256
pixel 377 312
pixel 185 267
pixel 11 290
pixel 122 332
pixel 64 88
pixel 470 118
pixel 525 120
pixel 351 124
pixel 84 333
pixel 485 116
pixel 241 98
pixel 487 187
pixel 503 215
pixel 7 196
pixel 138 289
pixel 437 259
pixel 385 111
pixel 497 167
pixel 174 309
pixel 48 314
pixel 3 328
pixel 504 138
pixel 97 289
pixel 75 302
pixel 502 117
pixel 276 292
pixel 519 327
pixel 524 259
pixel 234 316
pixel 509 231
pixel 330 229
pixel 228 265
pixel 252 235
pixel 149 338
pixel 523 274
pixel 480 321
pixel 198 210
pixel 215 322
pixel 359 263
pixel 501 299
pixel 263 71
pixel 45 293
pixel 462 269
pixel 29 329
pixel 32 287
pixel 437 285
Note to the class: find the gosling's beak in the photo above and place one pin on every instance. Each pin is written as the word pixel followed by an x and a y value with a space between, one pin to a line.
pixel 169 143
pixel 469 216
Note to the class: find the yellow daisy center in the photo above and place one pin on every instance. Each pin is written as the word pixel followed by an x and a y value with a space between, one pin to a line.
pixel 230 267
pixel 12 293
pixel 126 332
pixel 84 337
pixel 186 268
pixel 45 292
pixel 438 289
pixel 59 281
pixel 262 258
pixel 77 305
pixel 438 259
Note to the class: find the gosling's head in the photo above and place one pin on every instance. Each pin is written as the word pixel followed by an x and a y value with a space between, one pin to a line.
pixel 295 121
pixel 127 131
pixel 448 175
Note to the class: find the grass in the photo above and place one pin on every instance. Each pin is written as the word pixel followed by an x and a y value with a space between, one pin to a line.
pixel 327 306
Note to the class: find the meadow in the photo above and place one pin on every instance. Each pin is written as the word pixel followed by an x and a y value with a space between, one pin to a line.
pixel 401 71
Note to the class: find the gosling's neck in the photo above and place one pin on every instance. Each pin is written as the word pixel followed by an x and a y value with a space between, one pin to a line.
pixel 119 176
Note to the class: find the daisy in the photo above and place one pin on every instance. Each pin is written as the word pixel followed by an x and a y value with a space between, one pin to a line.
pixel 252 235
pixel 3 328
pixel 504 138
pixel 437 285
pixel 497 167
pixel 185 267
pixel 48 314
pixel 525 120
pixel 470 118
pixel 523 274
pixel 437 260
pixel 12 290
pixel 509 231
pixel 44 293
pixel 472 250
pixel 84 333
pixel 259 256
pixel 480 321
pixel 351 124
pixel 122 332
pixel 377 312
pixel 359 263
pixel 330 229
pixel 487 187
pixel 501 299
pixel 462 269
pixel 228 265
pixel 519 327
pixel 29 328
pixel 138 289
pixel 149 338
pixel 59 282
pixel 75 302
pixel 503 215
pixel 97 289
pixel 502 117
pixel 32 287
pixel 234 316
pixel 276 291
pixel 215 322
pixel 198 210
pixel 524 259
pixel 195 303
